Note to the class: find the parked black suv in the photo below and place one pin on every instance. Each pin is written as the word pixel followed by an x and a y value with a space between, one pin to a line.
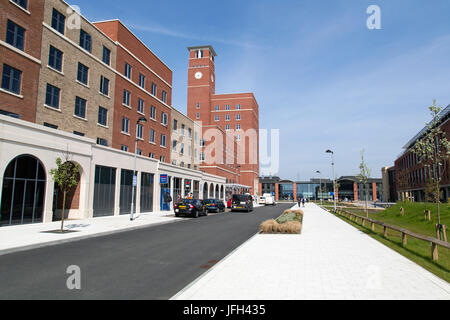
pixel 213 205
pixel 241 202
pixel 189 207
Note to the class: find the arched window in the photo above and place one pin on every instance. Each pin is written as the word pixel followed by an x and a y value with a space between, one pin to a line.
pixel 23 191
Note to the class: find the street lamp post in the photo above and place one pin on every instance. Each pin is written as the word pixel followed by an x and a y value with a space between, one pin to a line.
pixel 334 178
pixel 320 188
pixel 141 119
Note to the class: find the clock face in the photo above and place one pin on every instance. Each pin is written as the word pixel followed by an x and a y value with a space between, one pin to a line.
pixel 198 75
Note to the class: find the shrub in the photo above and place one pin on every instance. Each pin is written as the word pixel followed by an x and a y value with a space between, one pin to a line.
pixel 292 227
pixel 270 226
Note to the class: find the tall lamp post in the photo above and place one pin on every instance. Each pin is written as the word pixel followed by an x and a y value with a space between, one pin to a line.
pixel 141 119
pixel 320 188
pixel 334 178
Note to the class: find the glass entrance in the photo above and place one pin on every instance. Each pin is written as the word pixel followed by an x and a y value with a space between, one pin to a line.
pixel 23 192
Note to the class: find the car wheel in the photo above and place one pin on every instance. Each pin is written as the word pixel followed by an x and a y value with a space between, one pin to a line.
pixel 196 214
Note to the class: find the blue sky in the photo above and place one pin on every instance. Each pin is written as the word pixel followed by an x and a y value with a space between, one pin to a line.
pixel 319 75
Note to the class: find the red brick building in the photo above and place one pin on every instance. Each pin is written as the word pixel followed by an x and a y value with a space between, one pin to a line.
pixel 411 176
pixel 20 54
pixel 237 116
pixel 143 89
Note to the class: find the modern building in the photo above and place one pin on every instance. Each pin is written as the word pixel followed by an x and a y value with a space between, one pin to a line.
pixel 77 79
pixel 143 89
pixel 350 189
pixel 288 190
pixel 225 118
pixel 412 176
pixel 20 57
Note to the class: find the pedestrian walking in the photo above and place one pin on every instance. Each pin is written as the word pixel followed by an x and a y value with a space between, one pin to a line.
pixel 303 202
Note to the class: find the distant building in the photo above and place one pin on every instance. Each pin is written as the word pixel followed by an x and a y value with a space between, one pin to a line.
pixel 228 120
pixel 350 189
pixel 389 184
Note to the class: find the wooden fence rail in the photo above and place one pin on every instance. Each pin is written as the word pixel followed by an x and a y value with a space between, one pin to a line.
pixel 435 243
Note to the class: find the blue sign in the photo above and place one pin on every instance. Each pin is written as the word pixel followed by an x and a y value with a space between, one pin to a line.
pixel 164 179
pixel 331 193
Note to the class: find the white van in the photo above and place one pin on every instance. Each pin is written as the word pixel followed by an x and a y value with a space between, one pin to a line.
pixel 270 200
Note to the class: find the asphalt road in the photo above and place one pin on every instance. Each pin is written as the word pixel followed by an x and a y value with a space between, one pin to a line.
pixel 152 263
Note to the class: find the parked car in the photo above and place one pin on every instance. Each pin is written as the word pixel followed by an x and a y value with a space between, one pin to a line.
pixel 242 202
pixel 213 205
pixel 189 207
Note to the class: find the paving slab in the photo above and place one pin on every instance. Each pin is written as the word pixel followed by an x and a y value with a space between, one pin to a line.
pixel 329 260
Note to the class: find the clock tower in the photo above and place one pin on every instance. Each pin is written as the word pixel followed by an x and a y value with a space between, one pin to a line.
pixel 201 83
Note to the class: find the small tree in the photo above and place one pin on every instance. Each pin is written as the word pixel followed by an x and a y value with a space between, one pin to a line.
pixel 66 177
pixel 433 149
pixel 363 178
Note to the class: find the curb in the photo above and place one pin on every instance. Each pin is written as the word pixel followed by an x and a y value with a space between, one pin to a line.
pixel 81 237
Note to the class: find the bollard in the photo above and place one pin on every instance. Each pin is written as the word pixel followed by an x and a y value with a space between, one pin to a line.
pixel 404 240
pixel 385 232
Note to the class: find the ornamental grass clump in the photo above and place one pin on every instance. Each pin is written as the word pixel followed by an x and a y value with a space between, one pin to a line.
pixel 289 223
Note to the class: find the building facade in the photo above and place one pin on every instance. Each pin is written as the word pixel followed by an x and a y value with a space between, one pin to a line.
pixel 20 57
pixel 28 194
pixel 77 81
pixel 88 91
pixel 185 144
pixel 143 89
pixel 226 119
pixel 411 176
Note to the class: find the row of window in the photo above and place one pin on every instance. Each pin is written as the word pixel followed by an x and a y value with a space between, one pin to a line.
pixel 228 117
pixel 183 165
pixel 142 83
pixel 141 108
pixel 217 107
pixel 227 127
pixel 59 24
pixel 140 132
pixel 183 128
pixel 55 61
pixel 139 152
pixel 227 107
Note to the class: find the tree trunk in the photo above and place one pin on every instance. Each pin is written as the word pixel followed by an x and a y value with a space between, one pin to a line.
pixel 63 209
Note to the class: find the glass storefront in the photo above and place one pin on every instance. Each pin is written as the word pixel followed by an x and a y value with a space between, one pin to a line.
pixel 286 191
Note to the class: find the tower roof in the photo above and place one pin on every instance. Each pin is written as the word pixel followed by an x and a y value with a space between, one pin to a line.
pixel 204 47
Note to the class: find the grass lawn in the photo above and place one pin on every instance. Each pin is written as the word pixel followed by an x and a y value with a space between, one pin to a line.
pixel 416 250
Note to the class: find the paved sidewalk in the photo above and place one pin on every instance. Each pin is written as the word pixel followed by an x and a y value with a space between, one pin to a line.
pixel 24 237
pixel 330 260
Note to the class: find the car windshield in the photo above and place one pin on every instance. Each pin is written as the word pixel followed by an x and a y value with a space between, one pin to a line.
pixel 238 197
pixel 210 201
